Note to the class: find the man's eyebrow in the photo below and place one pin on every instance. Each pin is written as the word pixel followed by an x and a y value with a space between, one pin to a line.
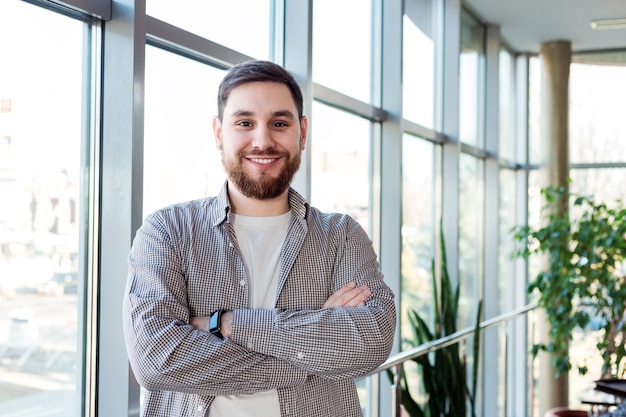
pixel 240 113
pixel 284 113
pixel 279 113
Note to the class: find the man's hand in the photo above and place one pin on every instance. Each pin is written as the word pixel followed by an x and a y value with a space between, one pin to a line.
pixel 348 296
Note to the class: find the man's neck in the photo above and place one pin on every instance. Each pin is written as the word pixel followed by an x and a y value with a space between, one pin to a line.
pixel 246 206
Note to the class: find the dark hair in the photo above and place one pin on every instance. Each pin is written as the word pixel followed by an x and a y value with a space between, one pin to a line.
pixel 251 71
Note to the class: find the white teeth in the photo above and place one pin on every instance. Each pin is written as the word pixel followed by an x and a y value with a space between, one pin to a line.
pixel 262 161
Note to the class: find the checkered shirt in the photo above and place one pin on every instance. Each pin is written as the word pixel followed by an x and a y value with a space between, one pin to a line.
pixel 185 262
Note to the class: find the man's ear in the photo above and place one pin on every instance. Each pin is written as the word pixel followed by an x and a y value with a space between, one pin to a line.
pixel 217 132
pixel 304 126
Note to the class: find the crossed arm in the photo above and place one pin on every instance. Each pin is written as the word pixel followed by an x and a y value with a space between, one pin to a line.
pixel 202 365
pixel 350 334
pixel 348 296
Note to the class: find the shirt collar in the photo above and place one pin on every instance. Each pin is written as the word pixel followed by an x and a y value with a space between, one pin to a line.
pixel 299 206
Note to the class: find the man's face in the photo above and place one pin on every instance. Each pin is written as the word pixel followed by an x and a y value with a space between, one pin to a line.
pixel 261 139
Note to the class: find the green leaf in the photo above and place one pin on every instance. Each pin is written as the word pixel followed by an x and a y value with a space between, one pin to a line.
pixel 579 279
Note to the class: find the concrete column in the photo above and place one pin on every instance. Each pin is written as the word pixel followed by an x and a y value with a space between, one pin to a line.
pixel 556 59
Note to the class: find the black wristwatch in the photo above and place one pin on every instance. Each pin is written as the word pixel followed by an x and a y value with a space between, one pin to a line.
pixel 214 323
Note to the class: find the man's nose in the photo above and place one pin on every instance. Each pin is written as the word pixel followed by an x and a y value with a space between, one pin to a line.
pixel 262 138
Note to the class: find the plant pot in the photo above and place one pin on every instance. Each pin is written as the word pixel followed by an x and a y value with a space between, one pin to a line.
pixel 566 412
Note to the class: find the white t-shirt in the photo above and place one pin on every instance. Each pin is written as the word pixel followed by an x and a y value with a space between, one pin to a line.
pixel 261 240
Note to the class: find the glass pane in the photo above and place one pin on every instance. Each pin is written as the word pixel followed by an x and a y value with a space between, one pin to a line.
pixel 242 25
pixel 506 216
pixel 40 163
pixel 597 107
pixel 471 84
pixel 181 161
pixel 418 200
pixel 418 60
pixel 342 58
pixel 340 160
pixel 470 237
pixel 604 184
pixel 340 176
pixel 508 98
pixel 418 196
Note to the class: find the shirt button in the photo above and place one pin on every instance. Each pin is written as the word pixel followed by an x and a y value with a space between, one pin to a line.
pixel 200 408
pixel 300 355
pixel 242 282
pixel 250 346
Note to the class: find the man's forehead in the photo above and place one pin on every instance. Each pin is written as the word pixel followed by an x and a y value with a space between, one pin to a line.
pixel 256 98
pixel 268 89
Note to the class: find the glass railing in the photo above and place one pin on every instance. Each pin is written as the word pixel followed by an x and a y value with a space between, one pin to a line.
pixel 395 363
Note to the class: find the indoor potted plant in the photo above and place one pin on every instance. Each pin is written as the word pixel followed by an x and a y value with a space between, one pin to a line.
pixel 582 285
pixel 443 372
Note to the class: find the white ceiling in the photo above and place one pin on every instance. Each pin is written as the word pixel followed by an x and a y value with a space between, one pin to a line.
pixel 525 24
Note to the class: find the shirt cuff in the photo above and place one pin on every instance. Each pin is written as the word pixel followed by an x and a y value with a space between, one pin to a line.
pixel 255 330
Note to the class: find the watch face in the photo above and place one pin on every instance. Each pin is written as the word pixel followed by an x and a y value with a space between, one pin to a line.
pixel 214 322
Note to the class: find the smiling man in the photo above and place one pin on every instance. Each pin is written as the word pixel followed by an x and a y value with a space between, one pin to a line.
pixel 254 303
pixel 265 137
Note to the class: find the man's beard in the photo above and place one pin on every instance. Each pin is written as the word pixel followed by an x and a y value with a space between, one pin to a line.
pixel 264 186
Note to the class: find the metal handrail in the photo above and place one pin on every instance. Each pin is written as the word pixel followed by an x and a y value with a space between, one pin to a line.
pixel 398 360
pixel 450 339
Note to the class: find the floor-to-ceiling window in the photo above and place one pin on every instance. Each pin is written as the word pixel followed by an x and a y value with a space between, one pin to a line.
pixel 162 66
pixel 46 166
pixel 418 253
pixel 228 23
pixel 471 168
pixel 421 95
pixel 511 281
pixel 597 159
pixel 419 54
pixel 340 162
pixel 341 143
pixel 181 161
pixel 343 63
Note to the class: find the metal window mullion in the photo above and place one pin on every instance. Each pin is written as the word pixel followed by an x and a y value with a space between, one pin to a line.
pixel 90 217
pixel 181 42
pixel 296 57
pixel 121 197
pixel 99 9
pixel 518 355
pixel 490 220
pixel 390 168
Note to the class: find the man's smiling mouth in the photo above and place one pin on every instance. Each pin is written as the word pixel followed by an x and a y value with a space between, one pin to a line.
pixel 263 160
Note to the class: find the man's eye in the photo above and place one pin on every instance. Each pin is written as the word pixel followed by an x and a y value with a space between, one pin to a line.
pixel 280 124
pixel 244 123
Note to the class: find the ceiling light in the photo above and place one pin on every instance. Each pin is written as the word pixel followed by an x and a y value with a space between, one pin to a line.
pixel 600 24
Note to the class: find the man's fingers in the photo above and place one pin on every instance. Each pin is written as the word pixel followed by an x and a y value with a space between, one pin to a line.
pixel 335 300
pixel 348 296
pixel 359 299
